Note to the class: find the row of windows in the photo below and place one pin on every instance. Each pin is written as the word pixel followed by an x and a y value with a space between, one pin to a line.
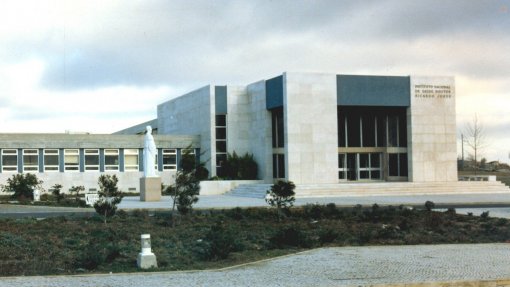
pixel 372 127
pixel 368 166
pixel 72 161
pixel 221 143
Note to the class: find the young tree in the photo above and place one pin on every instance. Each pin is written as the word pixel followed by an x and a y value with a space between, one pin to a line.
pixel 475 138
pixel 22 185
pixel 56 188
pixel 109 196
pixel 75 190
pixel 186 189
pixel 281 196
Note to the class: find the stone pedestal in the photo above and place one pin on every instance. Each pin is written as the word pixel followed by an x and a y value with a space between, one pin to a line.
pixel 146 260
pixel 150 189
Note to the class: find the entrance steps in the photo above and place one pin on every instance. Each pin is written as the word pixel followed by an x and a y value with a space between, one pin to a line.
pixel 250 190
pixel 400 188
pixel 377 188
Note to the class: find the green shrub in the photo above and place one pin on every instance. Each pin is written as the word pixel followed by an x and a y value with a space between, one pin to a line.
pixel 220 241
pixel 327 235
pixel 291 236
pixel 281 196
pixel 23 186
pixel 239 167
pixel 429 205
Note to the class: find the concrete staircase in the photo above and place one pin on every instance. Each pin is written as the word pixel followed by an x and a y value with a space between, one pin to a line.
pixel 377 188
pixel 250 190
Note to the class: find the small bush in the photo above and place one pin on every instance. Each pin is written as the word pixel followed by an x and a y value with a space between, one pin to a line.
pixel 484 215
pixel 327 235
pixel 429 205
pixel 281 196
pixel 220 242
pixel 290 237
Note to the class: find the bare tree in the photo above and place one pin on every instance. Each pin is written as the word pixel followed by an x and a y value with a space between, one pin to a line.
pixel 475 138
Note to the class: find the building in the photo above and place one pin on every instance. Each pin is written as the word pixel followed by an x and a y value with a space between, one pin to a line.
pixel 310 128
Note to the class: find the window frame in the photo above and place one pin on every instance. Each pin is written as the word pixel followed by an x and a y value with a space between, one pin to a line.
pixel 131 152
pixel 49 168
pixel 67 166
pixel 111 152
pixel 9 166
pixel 91 167
pixel 30 168
pixel 169 152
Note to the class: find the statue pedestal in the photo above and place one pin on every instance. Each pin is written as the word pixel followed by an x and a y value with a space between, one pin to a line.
pixel 150 189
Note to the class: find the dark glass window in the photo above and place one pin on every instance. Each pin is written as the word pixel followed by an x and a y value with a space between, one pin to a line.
pixel 353 131
pixel 368 127
pixel 393 131
pixel 402 131
pixel 403 164
pixel 221 133
pixel 351 167
pixel 221 120
pixel 341 130
pixel 393 164
pixel 381 131
pixel 221 146
pixel 278 166
pixel 277 128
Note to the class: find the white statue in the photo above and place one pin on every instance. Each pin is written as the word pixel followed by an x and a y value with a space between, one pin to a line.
pixel 149 154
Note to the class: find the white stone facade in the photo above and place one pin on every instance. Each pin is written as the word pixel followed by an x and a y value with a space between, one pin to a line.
pixel 432 130
pixel 310 116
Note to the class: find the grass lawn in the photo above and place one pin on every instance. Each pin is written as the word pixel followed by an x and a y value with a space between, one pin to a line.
pixel 213 239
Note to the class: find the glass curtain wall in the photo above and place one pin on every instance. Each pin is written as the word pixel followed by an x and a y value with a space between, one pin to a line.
pixel 372 143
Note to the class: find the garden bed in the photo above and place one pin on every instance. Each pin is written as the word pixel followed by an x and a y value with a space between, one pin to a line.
pixel 220 238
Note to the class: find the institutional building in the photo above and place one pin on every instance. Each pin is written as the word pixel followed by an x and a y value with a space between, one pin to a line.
pixel 305 127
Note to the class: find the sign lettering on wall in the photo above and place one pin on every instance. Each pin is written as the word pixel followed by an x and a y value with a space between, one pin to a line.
pixel 433 91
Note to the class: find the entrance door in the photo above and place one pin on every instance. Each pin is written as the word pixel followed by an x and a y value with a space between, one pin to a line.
pixel 359 166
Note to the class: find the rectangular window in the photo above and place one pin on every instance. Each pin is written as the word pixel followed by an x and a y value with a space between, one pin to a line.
pixel 71 160
pixel 398 164
pixel 111 159
pixel 368 128
pixel 277 128
pixel 221 143
pixel 9 160
pixel 92 159
pixel 30 160
pixel 169 159
pixel 393 131
pixel 51 160
pixel 131 160
pixel 342 166
pixel 278 166
pixel 353 131
pixel 341 130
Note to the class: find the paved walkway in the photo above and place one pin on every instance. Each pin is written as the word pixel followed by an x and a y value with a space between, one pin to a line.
pixel 225 201
pixel 342 266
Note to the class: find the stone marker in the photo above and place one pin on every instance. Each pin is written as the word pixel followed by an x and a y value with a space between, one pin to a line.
pixel 146 259
pixel 37 195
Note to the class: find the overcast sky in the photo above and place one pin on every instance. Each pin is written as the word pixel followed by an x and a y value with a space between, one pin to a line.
pixel 100 66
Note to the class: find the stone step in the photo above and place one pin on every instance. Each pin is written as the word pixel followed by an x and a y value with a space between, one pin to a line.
pixel 250 190
pixel 377 188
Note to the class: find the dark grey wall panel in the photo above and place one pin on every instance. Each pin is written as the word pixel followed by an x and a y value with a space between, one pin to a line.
pixel 355 90
pixel 274 93
pixel 220 93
